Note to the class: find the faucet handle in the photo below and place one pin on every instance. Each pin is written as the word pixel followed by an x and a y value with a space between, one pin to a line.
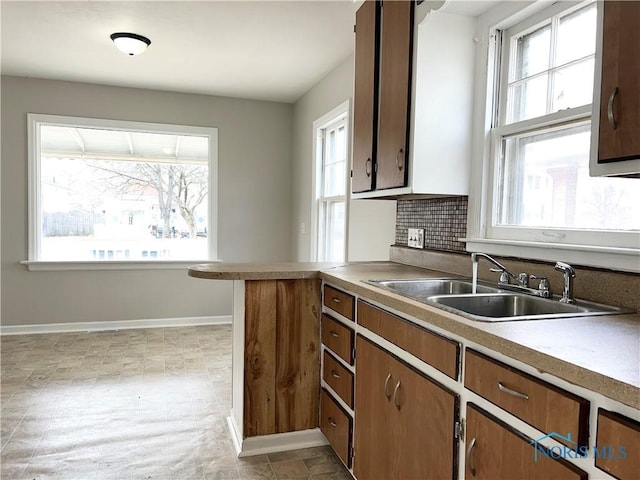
pixel 543 287
pixel 504 275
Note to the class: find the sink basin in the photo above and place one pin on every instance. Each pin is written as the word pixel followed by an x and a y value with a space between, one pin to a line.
pixel 501 307
pixel 421 288
pixel 489 304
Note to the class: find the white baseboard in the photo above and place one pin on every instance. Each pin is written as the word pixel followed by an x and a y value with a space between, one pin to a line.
pixel 113 325
pixel 279 442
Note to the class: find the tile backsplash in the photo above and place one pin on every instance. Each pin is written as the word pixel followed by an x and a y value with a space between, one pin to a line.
pixel 443 219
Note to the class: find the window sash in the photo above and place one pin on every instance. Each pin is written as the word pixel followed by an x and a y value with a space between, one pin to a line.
pixel 35 121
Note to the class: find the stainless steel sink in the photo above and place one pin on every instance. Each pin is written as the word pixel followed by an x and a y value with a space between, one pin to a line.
pixel 421 288
pixel 490 304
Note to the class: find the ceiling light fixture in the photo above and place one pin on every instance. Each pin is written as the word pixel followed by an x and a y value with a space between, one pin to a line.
pixel 130 43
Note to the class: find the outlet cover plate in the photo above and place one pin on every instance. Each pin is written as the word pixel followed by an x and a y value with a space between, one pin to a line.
pixel 415 238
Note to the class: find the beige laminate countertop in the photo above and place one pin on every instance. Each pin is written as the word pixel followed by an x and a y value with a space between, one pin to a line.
pixel 599 353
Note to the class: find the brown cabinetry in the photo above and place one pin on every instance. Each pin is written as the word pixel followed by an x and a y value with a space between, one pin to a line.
pixel 620 86
pixel 338 378
pixel 496 451
pixel 404 423
pixel 540 404
pixel 618 445
pixel 338 301
pixel 338 338
pixel 439 352
pixel 281 356
pixel 337 426
pixel 383 58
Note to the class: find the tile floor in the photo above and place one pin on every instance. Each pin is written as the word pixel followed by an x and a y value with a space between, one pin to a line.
pixel 130 404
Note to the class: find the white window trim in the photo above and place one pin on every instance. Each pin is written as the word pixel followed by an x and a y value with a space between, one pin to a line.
pixel 342 110
pixel 35 120
pixel 481 184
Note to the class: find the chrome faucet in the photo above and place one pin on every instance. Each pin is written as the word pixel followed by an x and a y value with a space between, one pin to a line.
pixel 504 273
pixel 569 274
pixel 523 279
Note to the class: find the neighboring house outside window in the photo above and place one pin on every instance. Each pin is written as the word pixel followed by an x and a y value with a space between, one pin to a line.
pixel 538 191
pixel 331 142
pixel 120 191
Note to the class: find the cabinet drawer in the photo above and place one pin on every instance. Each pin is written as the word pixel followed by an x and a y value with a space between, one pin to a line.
pixel 336 426
pixel 338 301
pixel 338 338
pixel 616 432
pixel 439 352
pixel 338 378
pixel 540 404
pixel 495 451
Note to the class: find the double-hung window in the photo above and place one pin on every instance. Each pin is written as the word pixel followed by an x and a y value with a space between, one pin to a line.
pixel 331 185
pixel 539 193
pixel 104 191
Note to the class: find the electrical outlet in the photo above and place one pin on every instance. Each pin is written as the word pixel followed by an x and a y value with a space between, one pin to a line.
pixel 415 238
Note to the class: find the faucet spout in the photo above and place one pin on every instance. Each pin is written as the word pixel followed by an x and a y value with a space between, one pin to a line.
pixel 569 274
pixel 501 268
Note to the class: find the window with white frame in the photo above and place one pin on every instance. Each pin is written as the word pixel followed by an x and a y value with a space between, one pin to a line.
pixel 103 190
pixel 539 189
pixel 331 187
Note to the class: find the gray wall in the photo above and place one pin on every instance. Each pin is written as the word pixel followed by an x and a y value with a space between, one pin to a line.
pixel 254 203
pixel 371 222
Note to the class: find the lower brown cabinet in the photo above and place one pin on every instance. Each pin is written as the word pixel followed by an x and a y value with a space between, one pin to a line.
pixel 337 426
pixel 618 445
pixel 404 423
pixel 495 451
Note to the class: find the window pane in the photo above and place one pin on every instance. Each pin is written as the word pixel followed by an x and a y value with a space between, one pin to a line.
pixel 546 183
pixel 96 208
pixel 332 237
pixel 573 85
pixel 532 53
pixel 527 100
pixel 576 35
pixel 334 162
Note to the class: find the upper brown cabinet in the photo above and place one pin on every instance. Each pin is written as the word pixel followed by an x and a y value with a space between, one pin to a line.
pixel 383 54
pixel 616 145
pixel 413 100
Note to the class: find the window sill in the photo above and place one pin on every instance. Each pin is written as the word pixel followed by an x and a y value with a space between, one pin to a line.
pixel 613 258
pixel 59 266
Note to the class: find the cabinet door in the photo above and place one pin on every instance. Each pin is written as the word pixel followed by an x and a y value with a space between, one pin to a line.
pixel 404 421
pixel 395 79
pixel 620 90
pixel 373 443
pixel 494 450
pixel 365 96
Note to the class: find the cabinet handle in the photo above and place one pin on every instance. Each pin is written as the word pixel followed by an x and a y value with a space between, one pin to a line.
pixel 395 395
pixel 513 393
pixel 400 159
pixel 335 299
pixel 332 422
pixel 386 384
pixel 472 468
pixel 335 374
pixel 610 115
pixel 333 333
pixel 367 167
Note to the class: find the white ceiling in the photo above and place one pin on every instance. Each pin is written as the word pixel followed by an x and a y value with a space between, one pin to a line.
pixel 269 50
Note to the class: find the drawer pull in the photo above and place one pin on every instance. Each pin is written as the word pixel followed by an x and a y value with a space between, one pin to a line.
pixel 395 395
pixel 332 422
pixel 335 374
pixel 472 468
pixel 333 333
pixel 335 299
pixel 513 393
pixel 386 384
